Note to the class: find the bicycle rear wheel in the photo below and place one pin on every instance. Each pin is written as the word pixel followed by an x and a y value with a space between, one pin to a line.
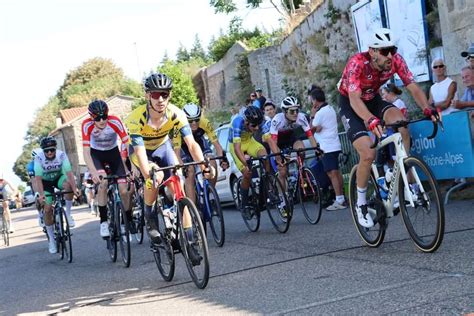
pixel 217 216
pixel 278 207
pixel 123 234
pixel 164 252
pixel 425 220
pixel 252 220
pixel 193 239
pixel 112 239
pixel 375 235
pixel 309 196
pixel 65 237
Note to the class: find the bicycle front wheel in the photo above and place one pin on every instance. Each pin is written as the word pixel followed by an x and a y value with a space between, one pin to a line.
pixel 309 196
pixel 112 239
pixel 251 216
pixel 375 235
pixel 138 217
pixel 278 207
pixel 65 237
pixel 425 219
pixel 164 252
pixel 193 242
pixel 124 235
pixel 217 216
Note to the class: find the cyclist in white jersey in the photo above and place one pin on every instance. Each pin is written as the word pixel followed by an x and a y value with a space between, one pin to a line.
pixel 4 196
pixel 53 170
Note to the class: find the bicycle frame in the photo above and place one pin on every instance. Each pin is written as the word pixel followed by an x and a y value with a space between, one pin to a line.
pixel 398 167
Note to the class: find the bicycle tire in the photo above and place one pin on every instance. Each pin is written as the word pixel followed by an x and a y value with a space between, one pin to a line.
pixel 274 192
pixel 164 252
pixel 199 241
pixel 5 232
pixel 215 210
pixel 124 235
pixel 309 193
pixel 252 223
pixel 112 240
pixel 139 219
pixel 423 208
pixel 65 237
pixel 375 235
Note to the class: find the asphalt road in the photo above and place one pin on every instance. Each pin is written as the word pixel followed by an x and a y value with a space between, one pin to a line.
pixel 321 269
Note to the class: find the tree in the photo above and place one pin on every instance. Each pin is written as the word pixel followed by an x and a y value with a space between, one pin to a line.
pixel 183 89
pixel 182 53
pixel 197 51
pixel 285 8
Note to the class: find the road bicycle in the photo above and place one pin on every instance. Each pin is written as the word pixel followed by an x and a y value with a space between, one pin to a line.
pixel 175 238
pixel 413 191
pixel 119 226
pixel 4 229
pixel 265 192
pixel 138 209
pixel 62 233
pixel 303 187
pixel 208 202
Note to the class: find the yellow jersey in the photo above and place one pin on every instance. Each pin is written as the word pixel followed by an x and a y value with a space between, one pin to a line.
pixel 205 128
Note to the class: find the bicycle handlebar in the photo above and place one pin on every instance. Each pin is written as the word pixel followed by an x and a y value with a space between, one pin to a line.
pixel 399 124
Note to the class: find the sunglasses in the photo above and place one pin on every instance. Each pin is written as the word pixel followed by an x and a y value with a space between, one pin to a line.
pixel 438 66
pixel 293 111
pixel 193 121
pixel 49 150
pixel 100 117
pixel 388 50
pixel 157 94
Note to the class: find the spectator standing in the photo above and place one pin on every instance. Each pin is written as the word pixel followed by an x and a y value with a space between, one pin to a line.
pixel 391 93
pixel 325 127
pixel 260 100
pixel 469 55
pixel 444 90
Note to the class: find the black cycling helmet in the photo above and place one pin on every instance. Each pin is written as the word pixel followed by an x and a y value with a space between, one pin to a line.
pixel 48 142
pixel 158 82
pixel 98 108
pixel 253 115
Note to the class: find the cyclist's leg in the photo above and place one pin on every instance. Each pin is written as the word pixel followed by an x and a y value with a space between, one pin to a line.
pixel 246 175
pixel 48 187
pixel 101 194
pixel 63 184
pixel 189 177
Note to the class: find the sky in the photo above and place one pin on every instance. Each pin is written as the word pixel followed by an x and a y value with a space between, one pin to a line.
pixel 41 41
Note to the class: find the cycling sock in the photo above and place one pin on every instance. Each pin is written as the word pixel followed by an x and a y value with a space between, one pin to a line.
pixel 50 231
pixel 103 213
pixel 340 199
pixel 68 208
pixel 245 196
pixel 361 196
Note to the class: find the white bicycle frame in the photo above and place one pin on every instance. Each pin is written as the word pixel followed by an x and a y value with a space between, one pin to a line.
pixel 398 167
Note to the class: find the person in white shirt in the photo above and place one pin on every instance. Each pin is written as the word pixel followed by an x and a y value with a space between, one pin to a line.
pixel 391 93
pixel 324 125
pixel 444 89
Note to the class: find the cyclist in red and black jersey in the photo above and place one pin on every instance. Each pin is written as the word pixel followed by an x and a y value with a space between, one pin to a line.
pixel 362 107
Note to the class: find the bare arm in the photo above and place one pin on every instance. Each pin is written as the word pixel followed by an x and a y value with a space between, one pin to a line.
pixel 194 149
pixel 142 160
pixel 451 93
pixel 418 95
pixel 358 106
pixel 72 181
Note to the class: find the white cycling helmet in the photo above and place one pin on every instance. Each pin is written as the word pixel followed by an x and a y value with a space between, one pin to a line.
pixel 192 111
pixel 382 38
pixel 289 102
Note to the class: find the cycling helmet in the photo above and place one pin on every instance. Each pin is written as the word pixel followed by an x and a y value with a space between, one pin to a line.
pixel 35 153
pixel 289 102
pixel 98 108
pixel 158 82
pixel 382 38
pixel 192 111
pixel 48 142
pixel 253 115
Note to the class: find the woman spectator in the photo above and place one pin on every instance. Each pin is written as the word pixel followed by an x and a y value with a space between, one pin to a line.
pixel 444 90
pixel 391 93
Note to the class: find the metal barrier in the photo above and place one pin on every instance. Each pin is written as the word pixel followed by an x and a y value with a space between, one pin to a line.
pixel 349 156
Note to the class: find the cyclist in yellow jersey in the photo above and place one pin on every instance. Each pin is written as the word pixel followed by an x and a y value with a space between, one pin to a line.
pixel 200 126
pixel 149 126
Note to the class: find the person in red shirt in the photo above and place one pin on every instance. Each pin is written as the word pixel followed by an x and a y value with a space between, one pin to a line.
pixel 100 139
pixel 362 107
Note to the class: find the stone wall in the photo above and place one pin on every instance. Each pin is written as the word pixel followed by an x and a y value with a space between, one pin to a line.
pixel 222 87
pixel 457 30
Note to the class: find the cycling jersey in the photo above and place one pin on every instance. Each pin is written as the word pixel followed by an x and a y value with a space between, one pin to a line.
pixel 239 134
pixel 50 170
pixel 143 134
pixel 282 127
pixel 205 128
pixel 106 138
pixel 359 76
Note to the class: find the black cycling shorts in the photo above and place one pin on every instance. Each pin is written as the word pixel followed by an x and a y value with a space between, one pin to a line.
pixel 353 124
pixel 108 157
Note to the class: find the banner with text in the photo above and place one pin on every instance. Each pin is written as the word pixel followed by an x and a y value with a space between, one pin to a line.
pixel 451 153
